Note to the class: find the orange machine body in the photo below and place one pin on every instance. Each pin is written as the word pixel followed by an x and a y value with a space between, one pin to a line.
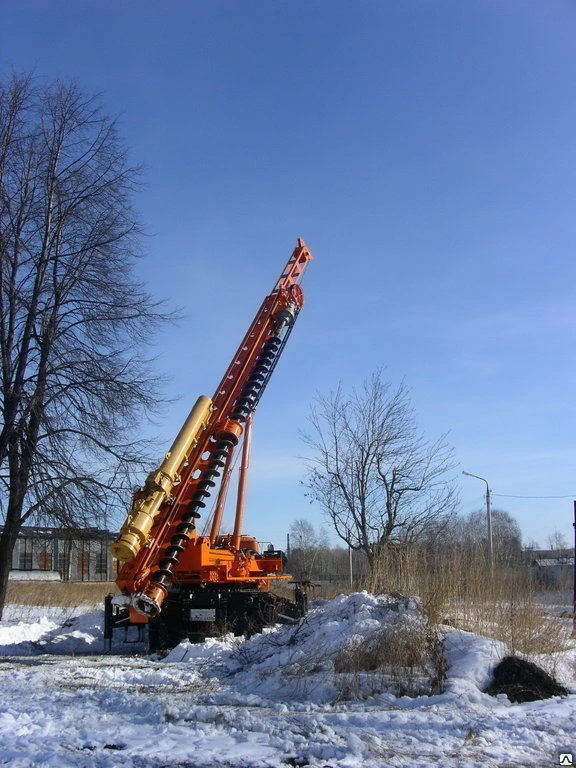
pixel 174 553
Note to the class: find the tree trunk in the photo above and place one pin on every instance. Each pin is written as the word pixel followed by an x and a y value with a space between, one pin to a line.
pixel 8 539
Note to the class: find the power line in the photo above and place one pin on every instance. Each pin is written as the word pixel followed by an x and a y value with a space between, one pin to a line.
pixel 512 496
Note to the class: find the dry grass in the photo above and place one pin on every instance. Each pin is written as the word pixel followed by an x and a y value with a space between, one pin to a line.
pixel 319 590
pixel 407 659
pixel 458 589
pixel 59 594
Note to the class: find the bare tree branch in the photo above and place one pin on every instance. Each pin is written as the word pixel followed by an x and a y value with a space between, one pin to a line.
pixel 74 322
pixel 375 476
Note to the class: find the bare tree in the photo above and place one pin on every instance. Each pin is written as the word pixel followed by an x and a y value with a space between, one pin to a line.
pixel 377 478
pixel 74 322
pixel 506 534
pixel 558 541
pixel 530 545
pixel 305 545
pixel 303 535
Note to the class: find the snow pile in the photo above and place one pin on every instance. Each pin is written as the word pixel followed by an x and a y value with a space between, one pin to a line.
pixel 34 576
pixel 339 650
pixel 14 637
pixel 76 635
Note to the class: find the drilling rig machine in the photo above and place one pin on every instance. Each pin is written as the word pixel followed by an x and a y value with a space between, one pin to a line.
pixel 174 580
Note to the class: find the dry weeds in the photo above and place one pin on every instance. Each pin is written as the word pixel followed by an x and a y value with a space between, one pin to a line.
pixel 70 594
pixel 458 589
pixel 407 659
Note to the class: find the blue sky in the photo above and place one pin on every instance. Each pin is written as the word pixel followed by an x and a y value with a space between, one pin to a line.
pixel 424 149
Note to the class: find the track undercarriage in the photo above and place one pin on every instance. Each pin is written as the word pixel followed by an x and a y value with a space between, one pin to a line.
pixel 202 611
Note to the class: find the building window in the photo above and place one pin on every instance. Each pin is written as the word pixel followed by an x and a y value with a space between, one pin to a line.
pixel 101 565
pixel 26 555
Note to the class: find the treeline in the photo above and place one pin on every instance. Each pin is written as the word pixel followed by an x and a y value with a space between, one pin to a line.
pixel 460 538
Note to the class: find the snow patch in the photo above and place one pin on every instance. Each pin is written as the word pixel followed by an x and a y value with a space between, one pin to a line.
pixel 268 702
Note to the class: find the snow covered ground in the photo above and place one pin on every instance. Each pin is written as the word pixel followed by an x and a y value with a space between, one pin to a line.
pixel 269 702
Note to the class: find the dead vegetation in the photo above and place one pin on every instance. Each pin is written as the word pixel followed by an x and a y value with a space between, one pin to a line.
pixel 381 647
pixel 318 590
pixel 59 594
pixel 407 659
pixel 457 588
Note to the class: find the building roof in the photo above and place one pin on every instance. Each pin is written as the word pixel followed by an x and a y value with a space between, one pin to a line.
pixel 548 562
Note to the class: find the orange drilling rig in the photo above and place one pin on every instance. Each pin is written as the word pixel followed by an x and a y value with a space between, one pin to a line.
pixel 175 581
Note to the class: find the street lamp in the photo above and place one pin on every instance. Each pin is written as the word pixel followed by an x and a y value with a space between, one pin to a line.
pixel 489 518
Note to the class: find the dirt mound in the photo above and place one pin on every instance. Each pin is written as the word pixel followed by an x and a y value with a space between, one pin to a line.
pixel 523 681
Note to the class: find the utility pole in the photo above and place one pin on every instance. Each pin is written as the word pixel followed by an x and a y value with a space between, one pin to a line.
pixel 350 565
pixel 348 536
pixel 489 520
pixel 574 592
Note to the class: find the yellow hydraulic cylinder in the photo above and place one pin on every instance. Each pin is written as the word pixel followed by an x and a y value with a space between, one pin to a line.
pixel 158 487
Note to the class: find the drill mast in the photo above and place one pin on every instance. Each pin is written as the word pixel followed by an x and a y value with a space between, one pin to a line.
pixel 159 543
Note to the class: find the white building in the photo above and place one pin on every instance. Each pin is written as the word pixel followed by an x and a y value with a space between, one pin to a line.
pixel 68 555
